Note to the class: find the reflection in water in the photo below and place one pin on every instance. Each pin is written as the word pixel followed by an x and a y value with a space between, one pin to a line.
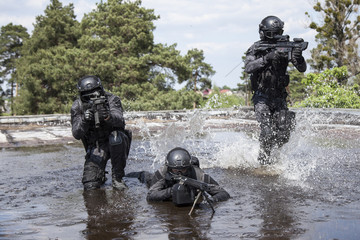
pixel 110 214
pixel 277 210
pixel 178 224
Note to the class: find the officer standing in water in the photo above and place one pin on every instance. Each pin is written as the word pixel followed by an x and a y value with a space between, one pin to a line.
pixel 269 79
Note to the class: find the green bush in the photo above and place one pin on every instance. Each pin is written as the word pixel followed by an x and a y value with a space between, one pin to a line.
pixel 325 91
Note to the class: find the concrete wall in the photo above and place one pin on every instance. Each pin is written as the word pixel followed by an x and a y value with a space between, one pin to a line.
pixel 321 116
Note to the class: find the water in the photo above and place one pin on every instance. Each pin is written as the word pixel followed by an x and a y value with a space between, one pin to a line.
pixel 312 190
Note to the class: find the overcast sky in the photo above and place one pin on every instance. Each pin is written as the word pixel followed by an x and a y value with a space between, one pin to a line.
pixel 223 29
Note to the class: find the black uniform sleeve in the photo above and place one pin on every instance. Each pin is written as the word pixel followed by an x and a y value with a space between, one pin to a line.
pixel 300 64
pixel 78 122
pixel 116 119
pixel 253 64
pixel 218 193
pixel 159 192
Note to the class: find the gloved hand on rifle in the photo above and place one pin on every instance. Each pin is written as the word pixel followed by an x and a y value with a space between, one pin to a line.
pixel 274 55
pixel 104 113
pixel 89 115
pixel 296 55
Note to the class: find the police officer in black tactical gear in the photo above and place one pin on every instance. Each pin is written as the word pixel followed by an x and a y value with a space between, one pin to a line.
pixel 97 119
pixel 165 188
pixel 269 80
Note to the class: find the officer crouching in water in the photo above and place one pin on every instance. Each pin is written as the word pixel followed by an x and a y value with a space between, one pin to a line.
pixel 269 80
pixel 97 119
pixel 182 181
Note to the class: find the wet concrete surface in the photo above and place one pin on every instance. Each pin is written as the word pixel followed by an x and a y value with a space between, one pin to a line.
pixel 312 190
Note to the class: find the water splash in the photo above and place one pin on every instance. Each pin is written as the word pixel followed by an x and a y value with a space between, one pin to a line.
pixel 304 158
pixel 236 150
pixel 189 134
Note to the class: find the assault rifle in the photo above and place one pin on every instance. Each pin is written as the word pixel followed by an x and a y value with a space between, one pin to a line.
pixel 97 102
pixel 282 44
pixel 201 186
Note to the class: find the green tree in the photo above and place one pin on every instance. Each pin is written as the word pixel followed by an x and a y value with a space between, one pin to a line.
pixel 114 42
pixel 117 45
pixel 337 35
pixel 324 90
pixel 199 72
pixel 47 69
pixel 11 42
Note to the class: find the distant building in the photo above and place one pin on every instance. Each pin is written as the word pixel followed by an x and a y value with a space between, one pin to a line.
pixel 226 91
pixel 207 92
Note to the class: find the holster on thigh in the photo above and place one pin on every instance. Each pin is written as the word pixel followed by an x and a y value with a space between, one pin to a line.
pixel 118 137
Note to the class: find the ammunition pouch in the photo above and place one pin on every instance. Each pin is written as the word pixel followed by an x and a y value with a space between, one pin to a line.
pixel 182 195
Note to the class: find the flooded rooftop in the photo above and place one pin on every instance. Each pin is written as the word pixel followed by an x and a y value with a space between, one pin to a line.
pixel 312 190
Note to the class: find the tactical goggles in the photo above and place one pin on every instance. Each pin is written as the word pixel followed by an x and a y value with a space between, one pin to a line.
pixel 88 96
pixel 179 171
pixel 272 34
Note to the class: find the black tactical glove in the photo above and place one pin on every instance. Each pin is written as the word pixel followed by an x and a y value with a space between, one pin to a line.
pixel 104 113
pixel 89 115
pixel 272 56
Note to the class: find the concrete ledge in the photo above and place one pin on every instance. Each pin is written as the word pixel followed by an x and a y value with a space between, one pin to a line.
pixel 322 116
pixel 36 130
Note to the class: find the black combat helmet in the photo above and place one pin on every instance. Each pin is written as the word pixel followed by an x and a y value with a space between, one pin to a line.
pixel 178 158
pixel 88 86
pixel 270 27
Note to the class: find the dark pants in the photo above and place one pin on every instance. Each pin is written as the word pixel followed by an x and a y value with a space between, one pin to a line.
pixel 117 149
pixel 276 122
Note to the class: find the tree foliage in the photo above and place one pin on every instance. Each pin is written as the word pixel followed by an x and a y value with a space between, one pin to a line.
pixel 337 35
pixel 199 72
pixel 11 42
pixel 324 90
pixel 46 70
pixel 115 42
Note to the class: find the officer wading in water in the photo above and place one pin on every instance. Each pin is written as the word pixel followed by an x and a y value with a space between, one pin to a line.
pixel 97 119
pixel 269 79
pixel 181 181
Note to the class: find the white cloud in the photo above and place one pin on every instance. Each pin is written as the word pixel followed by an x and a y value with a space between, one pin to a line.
pixel 37 4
